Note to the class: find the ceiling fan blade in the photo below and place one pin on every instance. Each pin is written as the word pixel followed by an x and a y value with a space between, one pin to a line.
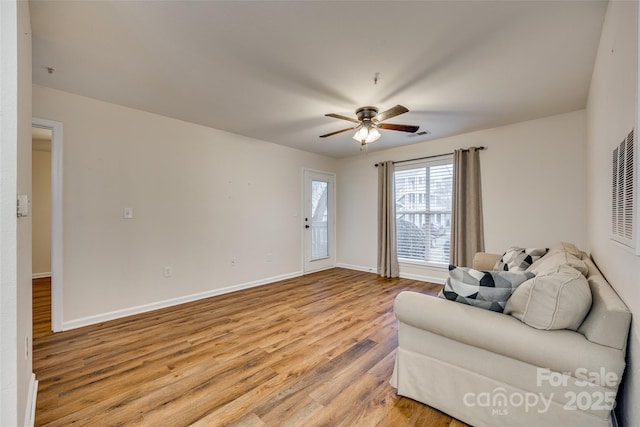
pixel 338 131
pixel 339 116
pixel 402 128
pixel 391 112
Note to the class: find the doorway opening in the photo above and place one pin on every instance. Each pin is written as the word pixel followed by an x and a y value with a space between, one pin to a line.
pixel 41 228
pixel 47 213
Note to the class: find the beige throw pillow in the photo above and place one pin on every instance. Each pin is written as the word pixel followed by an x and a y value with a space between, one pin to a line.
pixel 553 259
pixel 557 300
pixel 566 247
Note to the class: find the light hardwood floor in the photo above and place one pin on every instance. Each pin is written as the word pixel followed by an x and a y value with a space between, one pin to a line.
pixel 311 351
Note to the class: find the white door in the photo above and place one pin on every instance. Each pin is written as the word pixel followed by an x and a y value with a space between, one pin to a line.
pixel 318 221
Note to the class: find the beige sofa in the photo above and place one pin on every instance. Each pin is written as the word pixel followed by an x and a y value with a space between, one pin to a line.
pixel 491 369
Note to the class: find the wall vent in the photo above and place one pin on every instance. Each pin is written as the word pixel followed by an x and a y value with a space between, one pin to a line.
pixel 623 192
pixel 421 133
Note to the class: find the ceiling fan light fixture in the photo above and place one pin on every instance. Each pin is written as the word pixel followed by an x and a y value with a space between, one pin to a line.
pixel 369 121
pixel 366 134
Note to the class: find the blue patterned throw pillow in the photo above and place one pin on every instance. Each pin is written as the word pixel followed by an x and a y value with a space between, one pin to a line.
pixel 485 289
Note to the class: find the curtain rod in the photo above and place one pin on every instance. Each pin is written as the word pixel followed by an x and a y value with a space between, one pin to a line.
pixel 431 157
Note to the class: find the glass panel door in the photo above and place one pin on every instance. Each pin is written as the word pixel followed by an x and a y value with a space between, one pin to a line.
pixel 318 221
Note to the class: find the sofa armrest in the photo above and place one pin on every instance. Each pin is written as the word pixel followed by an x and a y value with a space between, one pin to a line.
pixel 485 261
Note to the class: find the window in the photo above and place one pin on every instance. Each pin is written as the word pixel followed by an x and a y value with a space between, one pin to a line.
pixel 423 195
pixel 622 192
pixel 319 219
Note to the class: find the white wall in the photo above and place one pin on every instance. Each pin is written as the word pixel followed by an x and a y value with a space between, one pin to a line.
pixel 25 334
pixel 15 242
pixel 533 177
pixel 8 222
pixel 200 197
pixel 41 212
pixel 611 114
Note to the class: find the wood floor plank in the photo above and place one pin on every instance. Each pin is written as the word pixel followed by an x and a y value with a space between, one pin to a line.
pixel 308 351
pixel 351 372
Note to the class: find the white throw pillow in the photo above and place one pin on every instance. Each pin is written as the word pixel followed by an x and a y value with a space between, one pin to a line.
pixel 556 300
pixel 553 259
pixel 566 247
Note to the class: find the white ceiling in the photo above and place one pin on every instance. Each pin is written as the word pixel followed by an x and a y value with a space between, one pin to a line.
pixel 272 69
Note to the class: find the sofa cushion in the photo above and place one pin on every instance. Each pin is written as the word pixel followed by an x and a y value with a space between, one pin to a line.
pixel 485 289
pixel 557 300
pixel 555 258
pixel 519 259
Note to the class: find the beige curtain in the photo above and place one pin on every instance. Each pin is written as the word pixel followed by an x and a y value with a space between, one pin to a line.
pixel 387 249
pixel 467 230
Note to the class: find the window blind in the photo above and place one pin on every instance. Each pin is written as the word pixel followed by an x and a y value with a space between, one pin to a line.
pixel 423 197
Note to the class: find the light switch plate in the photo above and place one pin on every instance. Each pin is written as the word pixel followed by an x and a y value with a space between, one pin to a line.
pixel 23 205
pixel 128 213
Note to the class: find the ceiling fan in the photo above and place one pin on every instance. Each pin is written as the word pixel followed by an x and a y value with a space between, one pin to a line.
pixel 369 121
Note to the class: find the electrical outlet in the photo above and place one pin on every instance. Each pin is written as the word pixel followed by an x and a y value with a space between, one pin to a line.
pixel 26 347
pixel 168 271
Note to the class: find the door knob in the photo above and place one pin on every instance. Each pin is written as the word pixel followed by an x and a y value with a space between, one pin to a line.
pixel 306 226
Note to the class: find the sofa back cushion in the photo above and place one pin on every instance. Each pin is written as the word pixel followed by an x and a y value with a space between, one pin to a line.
pixel 555 300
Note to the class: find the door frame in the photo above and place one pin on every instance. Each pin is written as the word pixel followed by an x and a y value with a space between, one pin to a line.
pixel 332 221
pixel 56 218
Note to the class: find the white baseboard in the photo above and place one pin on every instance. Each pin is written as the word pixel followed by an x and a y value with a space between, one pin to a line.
pixel 117 314
pixel 423 278
pixel 30 416
pixel 319 270
pixel 357 268
pixel 41 275
pixel 420 277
